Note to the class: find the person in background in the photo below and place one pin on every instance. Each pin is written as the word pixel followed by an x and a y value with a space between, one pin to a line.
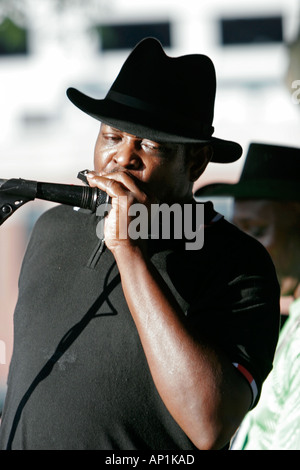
pixel 125 342
pixel 267 206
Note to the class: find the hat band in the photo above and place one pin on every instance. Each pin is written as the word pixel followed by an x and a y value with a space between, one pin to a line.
pixel 206 130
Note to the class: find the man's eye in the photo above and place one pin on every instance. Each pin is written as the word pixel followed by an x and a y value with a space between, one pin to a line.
pixel 149 146
pixel 112 138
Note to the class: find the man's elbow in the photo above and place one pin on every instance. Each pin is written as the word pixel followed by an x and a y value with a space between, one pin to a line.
pixel 221 421
pixel 217 425
pixel 214 437
pixel 212 440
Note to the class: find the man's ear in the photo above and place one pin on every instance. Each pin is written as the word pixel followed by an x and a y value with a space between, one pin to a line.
pixel 199 159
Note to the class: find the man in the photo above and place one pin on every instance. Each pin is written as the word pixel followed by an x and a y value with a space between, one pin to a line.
pixel 267 206
pixel 142 344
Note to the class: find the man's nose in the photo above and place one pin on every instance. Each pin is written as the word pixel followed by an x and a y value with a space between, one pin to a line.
pixel 127 156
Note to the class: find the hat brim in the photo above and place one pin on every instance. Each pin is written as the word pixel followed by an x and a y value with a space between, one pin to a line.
pixel 257 189
pixel 145 125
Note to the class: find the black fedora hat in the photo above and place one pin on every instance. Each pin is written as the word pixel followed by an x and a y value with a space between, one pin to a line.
pixel 162 98
pixel 270 172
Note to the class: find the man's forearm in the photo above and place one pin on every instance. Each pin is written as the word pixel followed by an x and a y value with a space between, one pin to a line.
pixel 198 385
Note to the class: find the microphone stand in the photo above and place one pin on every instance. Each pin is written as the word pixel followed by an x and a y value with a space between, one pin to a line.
pixel 11 197
pixel 14 193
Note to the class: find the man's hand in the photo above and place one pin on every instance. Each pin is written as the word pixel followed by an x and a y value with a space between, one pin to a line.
pixel 124 190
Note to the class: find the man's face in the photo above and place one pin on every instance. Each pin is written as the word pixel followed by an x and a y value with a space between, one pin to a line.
pixel 159 169
pixel 276 226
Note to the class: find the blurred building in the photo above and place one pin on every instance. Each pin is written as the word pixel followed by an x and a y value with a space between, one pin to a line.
pixel 45 47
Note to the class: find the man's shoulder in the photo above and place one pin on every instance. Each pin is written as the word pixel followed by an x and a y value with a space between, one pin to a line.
pixel 233 234
pixel 61 214
pixel 60 221
pixel 57 213
pixel 232 245
pixel 225 233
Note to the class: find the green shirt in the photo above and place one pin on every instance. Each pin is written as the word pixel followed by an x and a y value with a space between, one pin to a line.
pixel 275 422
